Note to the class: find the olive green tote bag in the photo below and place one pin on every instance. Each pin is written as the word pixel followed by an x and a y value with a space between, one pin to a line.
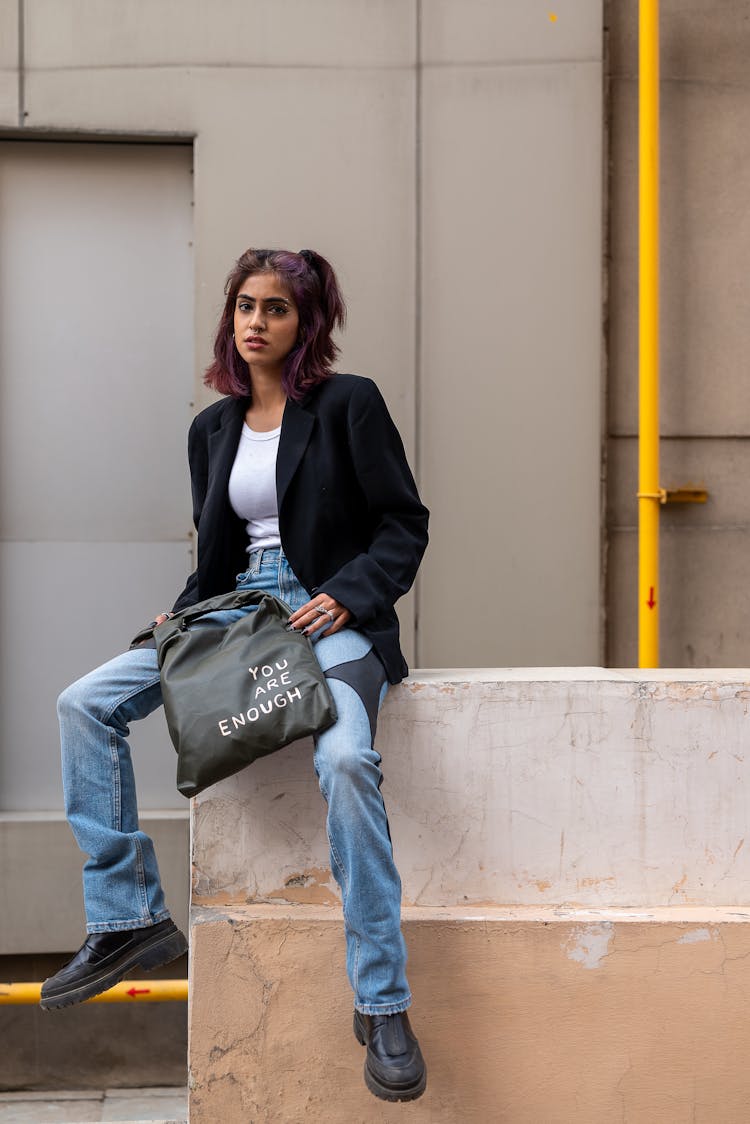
pixel 238 692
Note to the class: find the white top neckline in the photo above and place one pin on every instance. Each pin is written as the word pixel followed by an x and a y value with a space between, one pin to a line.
pixel 261 435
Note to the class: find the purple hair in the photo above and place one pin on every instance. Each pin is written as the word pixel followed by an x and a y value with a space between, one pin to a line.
pixel 321 309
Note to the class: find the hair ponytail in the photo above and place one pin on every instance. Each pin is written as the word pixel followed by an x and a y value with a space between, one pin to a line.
pixel 332 301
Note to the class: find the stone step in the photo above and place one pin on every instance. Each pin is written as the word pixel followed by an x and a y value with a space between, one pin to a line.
pixel 585 786
pixel 524 1015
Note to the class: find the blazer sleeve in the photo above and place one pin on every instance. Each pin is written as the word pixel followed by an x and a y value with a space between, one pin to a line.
pixel 198 461
pixel 372 581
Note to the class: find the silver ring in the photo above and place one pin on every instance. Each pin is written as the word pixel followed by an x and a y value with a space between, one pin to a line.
pixel 330 614
pixel 320 609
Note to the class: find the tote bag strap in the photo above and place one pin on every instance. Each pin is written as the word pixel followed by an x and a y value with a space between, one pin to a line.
pixel 240 599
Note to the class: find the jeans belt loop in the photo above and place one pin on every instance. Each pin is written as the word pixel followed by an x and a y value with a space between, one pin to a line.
pixel 254 560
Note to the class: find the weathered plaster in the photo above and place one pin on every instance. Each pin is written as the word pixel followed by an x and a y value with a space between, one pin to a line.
pixel 573 786
pixel 515 1025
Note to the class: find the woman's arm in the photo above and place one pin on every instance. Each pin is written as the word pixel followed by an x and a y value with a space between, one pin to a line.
pixel 374 580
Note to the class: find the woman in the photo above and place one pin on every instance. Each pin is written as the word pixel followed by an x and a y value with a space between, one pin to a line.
pixel 301 489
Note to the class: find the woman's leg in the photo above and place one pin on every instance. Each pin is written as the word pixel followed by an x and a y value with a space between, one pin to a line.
pixel 348 768
pixel 121 884
pixel 128 925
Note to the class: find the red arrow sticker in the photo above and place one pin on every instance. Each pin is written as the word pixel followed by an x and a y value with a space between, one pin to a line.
pixel 133 991
pixel 651 601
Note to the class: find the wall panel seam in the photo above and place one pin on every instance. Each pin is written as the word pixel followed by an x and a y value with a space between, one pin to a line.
pixel 417 292
pixel 606 240
pixel 21 65
pixel 189 67
pixel 511 64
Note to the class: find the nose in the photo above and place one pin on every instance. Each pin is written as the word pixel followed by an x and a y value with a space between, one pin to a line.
pixel 257 320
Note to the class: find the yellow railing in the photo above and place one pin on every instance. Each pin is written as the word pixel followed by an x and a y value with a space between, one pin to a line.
pixel 127 991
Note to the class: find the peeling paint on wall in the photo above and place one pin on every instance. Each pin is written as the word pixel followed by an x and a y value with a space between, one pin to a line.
pixel 589 944
pixel 694 936
pixel 308 887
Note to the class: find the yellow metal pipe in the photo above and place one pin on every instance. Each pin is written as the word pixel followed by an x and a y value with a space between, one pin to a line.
pixel 649 492
pixel 127 991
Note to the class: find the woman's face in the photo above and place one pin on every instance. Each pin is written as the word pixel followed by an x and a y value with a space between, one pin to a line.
pixel 266 321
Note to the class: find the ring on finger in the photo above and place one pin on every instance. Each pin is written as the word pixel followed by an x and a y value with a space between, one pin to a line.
pixel 321 610
pixel 330 614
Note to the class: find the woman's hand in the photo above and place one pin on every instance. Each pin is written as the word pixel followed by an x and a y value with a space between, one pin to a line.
pixel 321 613
pixel 162 618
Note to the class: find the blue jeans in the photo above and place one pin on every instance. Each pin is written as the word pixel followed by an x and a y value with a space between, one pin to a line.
pixel 121 884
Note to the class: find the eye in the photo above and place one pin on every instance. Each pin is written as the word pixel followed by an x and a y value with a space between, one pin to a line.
pixel 278 309
pixel 244 306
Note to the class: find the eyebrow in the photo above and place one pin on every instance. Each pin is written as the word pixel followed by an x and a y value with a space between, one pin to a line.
pixel 266 300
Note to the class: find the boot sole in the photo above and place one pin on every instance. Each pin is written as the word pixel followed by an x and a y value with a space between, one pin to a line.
pixel 163 951
pixel 387 1092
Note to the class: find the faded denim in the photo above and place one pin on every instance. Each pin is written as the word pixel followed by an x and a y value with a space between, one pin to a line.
pixel 122 888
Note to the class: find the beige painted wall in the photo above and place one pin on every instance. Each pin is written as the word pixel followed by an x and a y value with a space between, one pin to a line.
pixel 523 1017
pixel 705 398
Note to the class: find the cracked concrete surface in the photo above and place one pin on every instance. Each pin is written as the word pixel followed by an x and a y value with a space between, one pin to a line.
pixel 517 788
pixel 515 1024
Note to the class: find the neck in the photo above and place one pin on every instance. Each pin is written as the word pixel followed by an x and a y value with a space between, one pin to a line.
pixel 266 389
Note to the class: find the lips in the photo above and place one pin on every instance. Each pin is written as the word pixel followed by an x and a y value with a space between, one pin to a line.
pixel 256 343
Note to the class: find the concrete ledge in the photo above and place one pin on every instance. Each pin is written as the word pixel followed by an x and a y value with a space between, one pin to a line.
pixel 583 786
pixel 524 1016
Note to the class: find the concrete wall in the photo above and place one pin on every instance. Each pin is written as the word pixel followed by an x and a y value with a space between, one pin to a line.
pixel 510 381
pixel 573 851
pixel 579 787
pixel 705 416
pixel 447 157
pixel 95 238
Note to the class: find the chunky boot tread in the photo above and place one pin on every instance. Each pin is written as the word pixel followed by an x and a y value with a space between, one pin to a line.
pixel 163 949
pixel 387 1094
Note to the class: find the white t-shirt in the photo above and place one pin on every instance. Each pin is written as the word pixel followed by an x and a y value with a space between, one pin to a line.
pixel 252 486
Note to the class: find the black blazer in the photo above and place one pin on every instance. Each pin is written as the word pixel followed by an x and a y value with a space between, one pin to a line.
pixel 350 519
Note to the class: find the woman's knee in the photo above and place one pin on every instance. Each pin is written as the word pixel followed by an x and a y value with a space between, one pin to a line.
pixel 90 698
pixel 344 755
pixel 73 701
pixel 124 688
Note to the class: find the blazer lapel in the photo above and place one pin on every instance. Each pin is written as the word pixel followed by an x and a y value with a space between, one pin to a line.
pixel 222 451
pixel 296 428
pixel 222 447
